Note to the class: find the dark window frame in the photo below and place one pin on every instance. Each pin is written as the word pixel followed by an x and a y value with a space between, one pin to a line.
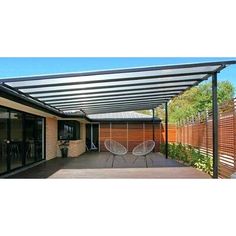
pixel 71 127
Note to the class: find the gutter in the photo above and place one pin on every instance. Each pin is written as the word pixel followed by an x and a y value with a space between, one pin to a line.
pixel 16 97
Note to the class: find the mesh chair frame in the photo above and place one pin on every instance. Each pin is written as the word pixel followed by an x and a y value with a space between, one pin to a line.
pixel 115 148
pixel 143 149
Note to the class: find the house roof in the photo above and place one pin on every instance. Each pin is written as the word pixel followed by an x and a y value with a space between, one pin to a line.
pixel 122 116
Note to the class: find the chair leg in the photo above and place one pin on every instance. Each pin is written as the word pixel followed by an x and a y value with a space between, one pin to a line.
pixel 135 160
pixel 146 162
pixel 108 158
pixel 151 160
pixel 113 161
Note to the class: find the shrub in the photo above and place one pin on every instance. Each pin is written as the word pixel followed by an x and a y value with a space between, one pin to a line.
pixel 189 155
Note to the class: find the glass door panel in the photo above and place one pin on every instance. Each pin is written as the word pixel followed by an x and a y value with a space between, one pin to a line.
pixel 39 139
pixel 16 140
pixel 30 139
pixel 21 139
pixel 4 116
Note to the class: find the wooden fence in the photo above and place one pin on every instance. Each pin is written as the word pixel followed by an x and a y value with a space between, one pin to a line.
pixel 132 134
pixel 197 132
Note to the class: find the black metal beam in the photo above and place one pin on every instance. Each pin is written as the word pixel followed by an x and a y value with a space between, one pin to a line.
pixel 215 126
pixel 153 124
pixel 120 85
pixel 166 130
pixel 20 98
pixel 117 71
pixel 29 96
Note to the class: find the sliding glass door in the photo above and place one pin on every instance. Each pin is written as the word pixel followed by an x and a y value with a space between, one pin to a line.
pixel 39 145
pixel 4 116
pixel 30 138
pixel 21 139
pixel 16 140
pixel 33 138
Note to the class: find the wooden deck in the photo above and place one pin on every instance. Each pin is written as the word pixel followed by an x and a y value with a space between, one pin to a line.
pixel 98 165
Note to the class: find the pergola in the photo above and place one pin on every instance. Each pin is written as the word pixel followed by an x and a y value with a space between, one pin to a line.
pixel 108 91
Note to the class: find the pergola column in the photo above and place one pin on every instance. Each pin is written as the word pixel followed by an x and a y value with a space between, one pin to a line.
pixel 215 125
pixel 166 129
pixel 153 126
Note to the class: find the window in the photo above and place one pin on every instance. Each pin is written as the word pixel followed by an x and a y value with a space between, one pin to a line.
pixel 68 130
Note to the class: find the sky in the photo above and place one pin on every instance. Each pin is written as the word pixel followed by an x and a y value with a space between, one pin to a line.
pixel 14 67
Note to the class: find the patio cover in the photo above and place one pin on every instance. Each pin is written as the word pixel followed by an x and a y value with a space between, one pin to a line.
pixel 109 91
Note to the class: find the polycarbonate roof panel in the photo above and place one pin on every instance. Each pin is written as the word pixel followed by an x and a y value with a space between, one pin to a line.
pixel 97 96
pixel 113 90
pixel 130 115
pixel 104 85
pixel 122 76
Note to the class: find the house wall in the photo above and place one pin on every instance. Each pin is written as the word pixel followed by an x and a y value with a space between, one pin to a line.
pixel 14 105
pixel 76 147
pixel 51 138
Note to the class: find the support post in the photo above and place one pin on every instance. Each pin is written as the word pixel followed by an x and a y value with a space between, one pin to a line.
pixel 153 124
pixel 215 125
pixel 166 129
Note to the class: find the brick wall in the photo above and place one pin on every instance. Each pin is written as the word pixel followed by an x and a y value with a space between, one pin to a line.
pixel 76 147
pixel 51 138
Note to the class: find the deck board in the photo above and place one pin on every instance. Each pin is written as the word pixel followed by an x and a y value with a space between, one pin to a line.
pixel 137 173
pixel 98 165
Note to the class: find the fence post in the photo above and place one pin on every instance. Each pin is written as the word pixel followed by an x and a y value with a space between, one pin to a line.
pixel 187 133
pixel 183 131
pixel 193 125
pixel 127 133
pixel 234 132
pixel 167 130
pixel 198 131
pixel 207 132
pixel 177 132
pixel 215 126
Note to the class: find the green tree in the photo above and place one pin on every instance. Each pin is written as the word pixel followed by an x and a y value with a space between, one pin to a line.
pixel 195 100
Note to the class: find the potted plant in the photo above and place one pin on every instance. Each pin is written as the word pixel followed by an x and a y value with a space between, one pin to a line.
pixel 64 144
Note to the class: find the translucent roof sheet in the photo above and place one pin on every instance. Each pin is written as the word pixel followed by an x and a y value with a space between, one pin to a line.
pixel 130 115
pixel 112 90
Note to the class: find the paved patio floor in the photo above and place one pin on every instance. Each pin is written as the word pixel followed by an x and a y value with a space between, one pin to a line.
pixel 99 165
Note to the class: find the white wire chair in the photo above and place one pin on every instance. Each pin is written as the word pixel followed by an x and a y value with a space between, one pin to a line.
pixel 143 149
pixel 115 148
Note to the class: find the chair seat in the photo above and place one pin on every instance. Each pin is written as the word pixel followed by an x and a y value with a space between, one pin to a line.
pixel 115 148
pixel 144 148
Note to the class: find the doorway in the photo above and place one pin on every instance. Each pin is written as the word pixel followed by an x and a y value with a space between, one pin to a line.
pixel 21 139
pixel 92 137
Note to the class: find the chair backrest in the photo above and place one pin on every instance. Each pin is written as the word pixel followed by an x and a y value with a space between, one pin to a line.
pixel 144 148
pixel 115 147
